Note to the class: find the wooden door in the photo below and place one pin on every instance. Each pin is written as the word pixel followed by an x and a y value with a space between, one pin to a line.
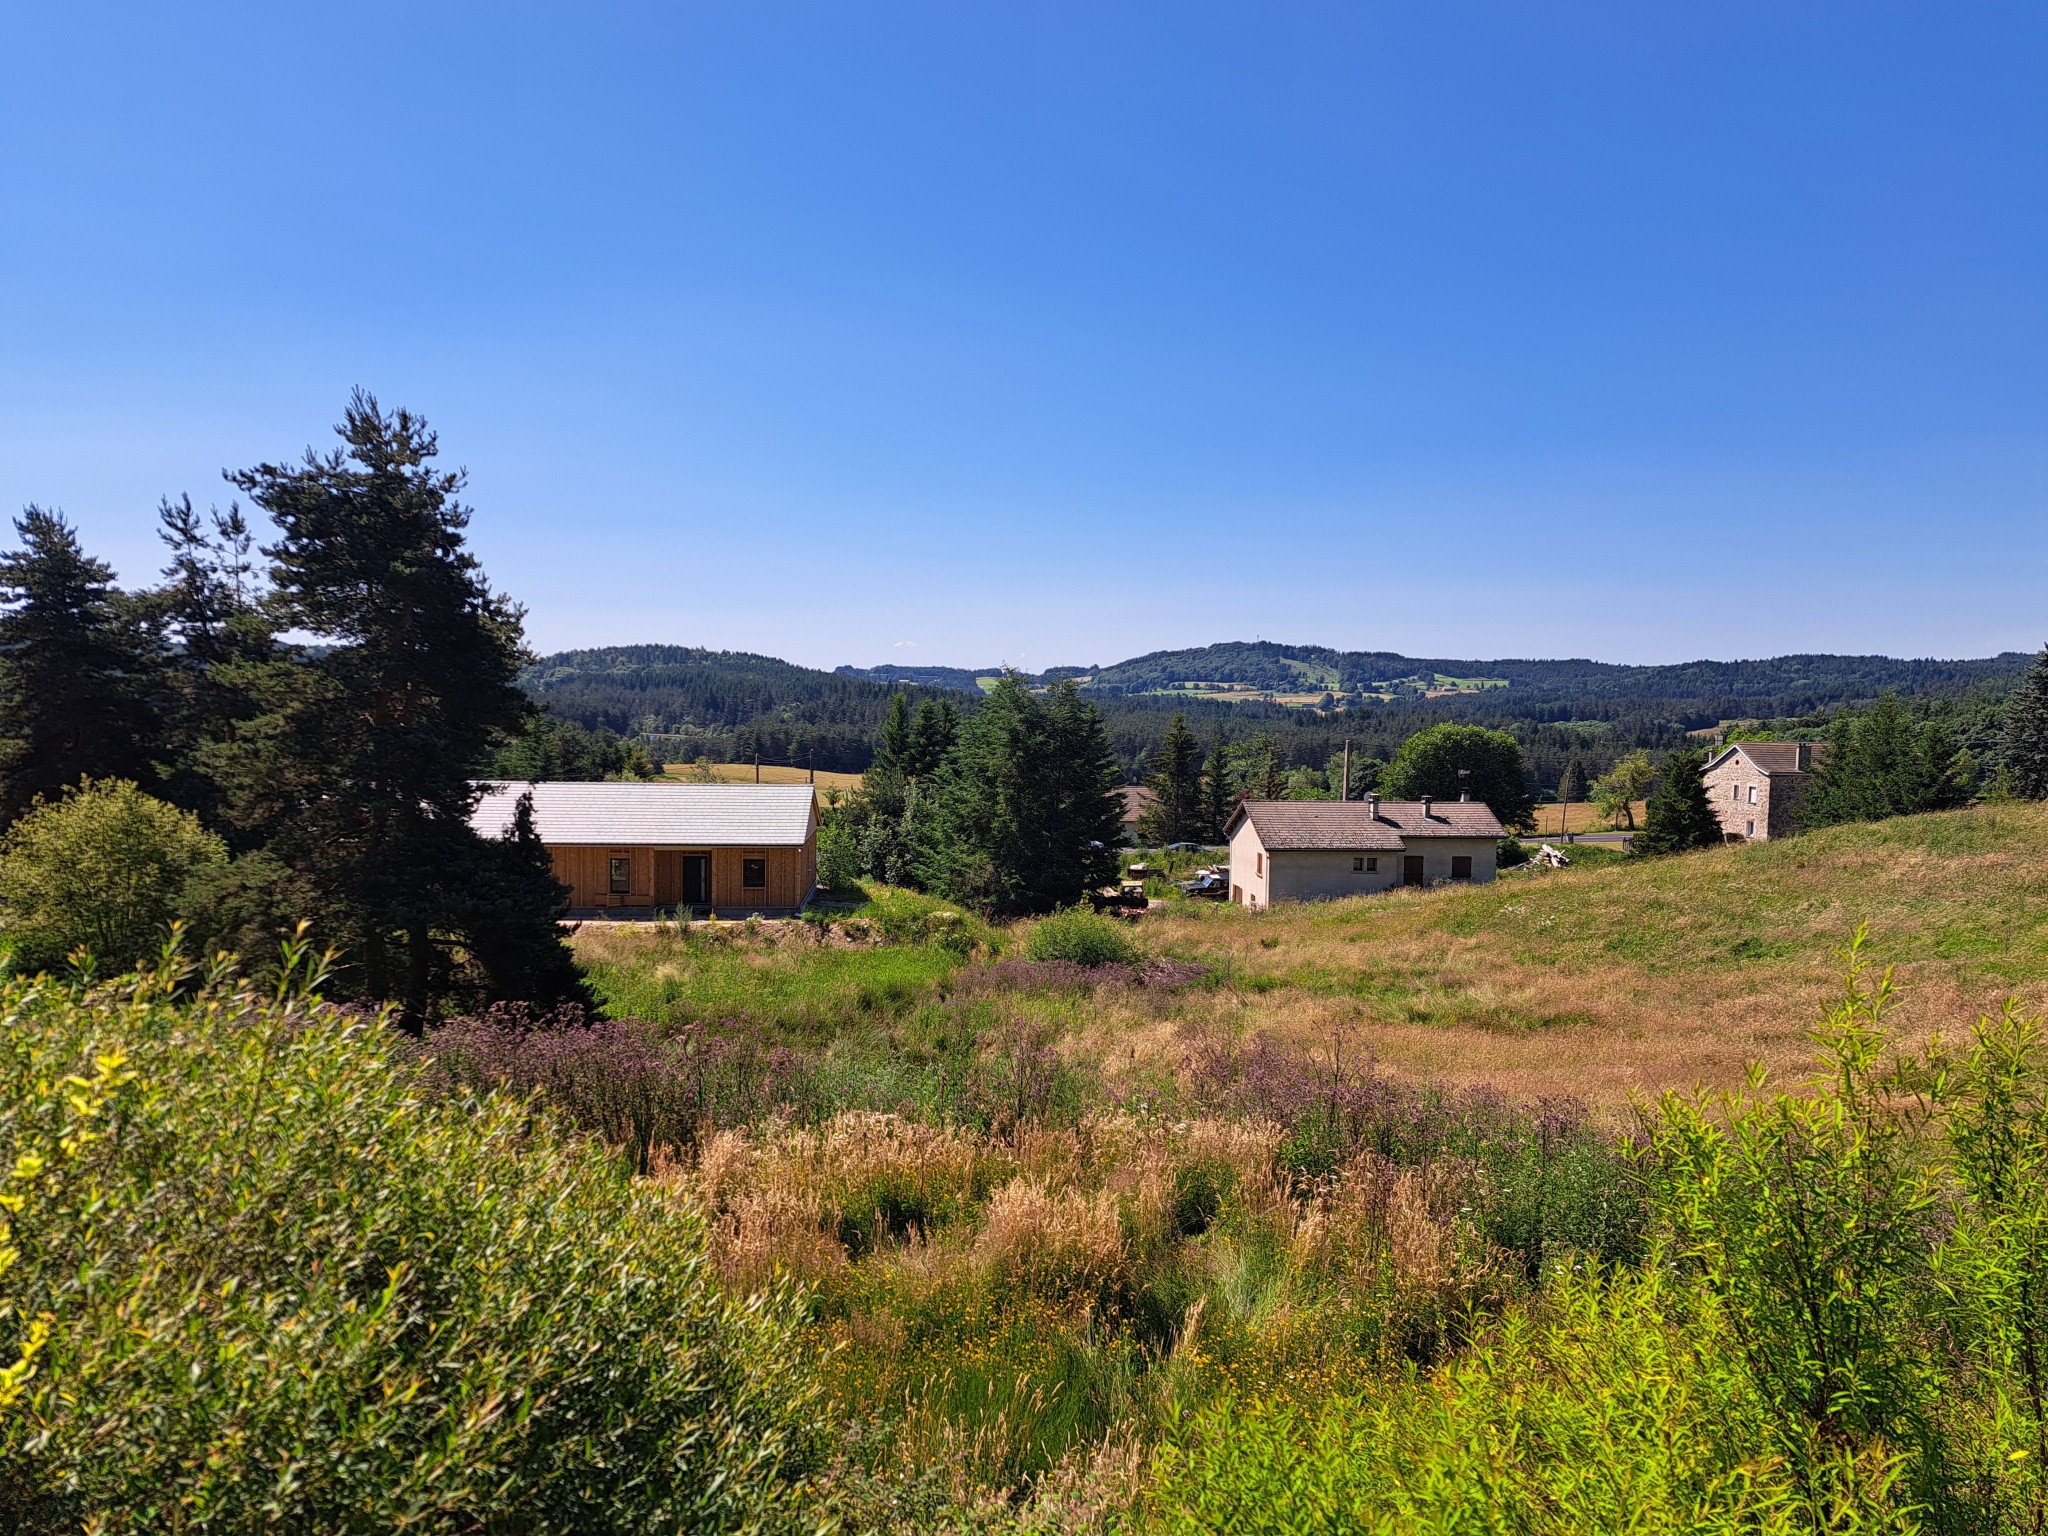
pixel 696 879
pixel 668 878
pixel 1411 869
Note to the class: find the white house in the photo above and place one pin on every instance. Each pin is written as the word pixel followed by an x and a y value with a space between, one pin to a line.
pixel 1318 850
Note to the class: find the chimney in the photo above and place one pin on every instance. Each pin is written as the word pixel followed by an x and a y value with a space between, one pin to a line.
pixel 1427 802
pixel 1372 805
pixel 1464 795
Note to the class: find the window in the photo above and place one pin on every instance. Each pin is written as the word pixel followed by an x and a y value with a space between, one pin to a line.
pixel 1461 866
pixel 1752 794
pixel 1259 864
pixel 1749 829
pixel 1358 866
pixel 1734 791
pixel 1372 865
pixel 622 877
pixel 754 874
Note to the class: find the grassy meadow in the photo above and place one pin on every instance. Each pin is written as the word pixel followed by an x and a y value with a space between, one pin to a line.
pixel 1352 1218
pixel 1046 1215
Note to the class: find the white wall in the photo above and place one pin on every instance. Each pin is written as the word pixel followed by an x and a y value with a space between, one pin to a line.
pixel 1437 853
pixel 1250 872
pixel 1319 875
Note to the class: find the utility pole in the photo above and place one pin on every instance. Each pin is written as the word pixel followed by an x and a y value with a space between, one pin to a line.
pixel 1344 789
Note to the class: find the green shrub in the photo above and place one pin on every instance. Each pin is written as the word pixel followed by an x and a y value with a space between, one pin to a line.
pixel 1608 1407
pixel 268 1282
pixel 105 869
pixel 838 858
pixel 1080 936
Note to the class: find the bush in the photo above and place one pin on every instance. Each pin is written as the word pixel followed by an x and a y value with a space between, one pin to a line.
pixel 1082 936
pixel 1509 852
pixel 838 858
pixel 1606 1408
pixel 268 1283
pixel 105 869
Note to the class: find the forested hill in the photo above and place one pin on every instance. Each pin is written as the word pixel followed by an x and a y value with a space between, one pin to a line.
pixel 719 704
pixel 1781 684
pixel 728 705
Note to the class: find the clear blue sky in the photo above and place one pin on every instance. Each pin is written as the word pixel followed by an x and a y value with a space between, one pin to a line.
pixel 1054 333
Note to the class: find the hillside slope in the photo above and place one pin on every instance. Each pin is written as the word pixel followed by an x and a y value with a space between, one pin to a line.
pixel 1632 978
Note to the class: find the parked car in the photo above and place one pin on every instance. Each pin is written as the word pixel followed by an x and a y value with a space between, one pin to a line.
pixel 1211 883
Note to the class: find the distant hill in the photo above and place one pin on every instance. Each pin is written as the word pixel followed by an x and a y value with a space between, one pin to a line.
pixel 1779 685
pixel 727 705
pixel 959 679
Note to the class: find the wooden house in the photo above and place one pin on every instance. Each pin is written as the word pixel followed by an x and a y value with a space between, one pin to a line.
pixel 1319 850
pixel 729 850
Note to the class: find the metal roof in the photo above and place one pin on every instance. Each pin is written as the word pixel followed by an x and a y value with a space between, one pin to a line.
pixel 1352 825
pixel 663 815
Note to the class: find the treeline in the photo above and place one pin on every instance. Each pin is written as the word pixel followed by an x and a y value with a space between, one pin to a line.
pixel 307 727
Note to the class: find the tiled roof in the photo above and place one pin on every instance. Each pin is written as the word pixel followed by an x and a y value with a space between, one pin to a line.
pixel 1348 825
pixel 666 815
pixel 1774 756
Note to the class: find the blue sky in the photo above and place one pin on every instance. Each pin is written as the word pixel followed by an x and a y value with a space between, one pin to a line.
pixel 1056 333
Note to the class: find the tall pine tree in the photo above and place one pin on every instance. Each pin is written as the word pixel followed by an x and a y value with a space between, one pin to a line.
pixel 76 670
pixel 1177 813
pixel 2023 743
pixel 1678 817
pixel 357 774
pixel 1025 816
pixel 1219 792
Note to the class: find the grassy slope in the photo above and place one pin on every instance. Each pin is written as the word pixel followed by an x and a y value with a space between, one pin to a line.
pixel 1636 977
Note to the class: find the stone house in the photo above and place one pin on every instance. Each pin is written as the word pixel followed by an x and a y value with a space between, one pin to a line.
pixel 1319 850
pixel 1755 787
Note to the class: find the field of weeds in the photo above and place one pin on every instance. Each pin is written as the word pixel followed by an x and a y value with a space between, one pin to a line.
pixel 1046 1216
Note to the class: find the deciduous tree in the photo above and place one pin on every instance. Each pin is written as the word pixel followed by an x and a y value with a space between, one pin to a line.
pixel 1430 763
pixel 1616 791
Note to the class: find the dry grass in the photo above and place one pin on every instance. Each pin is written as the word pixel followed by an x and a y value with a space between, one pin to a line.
pixel 1583 817
pixel 1630 979
pixel 743 773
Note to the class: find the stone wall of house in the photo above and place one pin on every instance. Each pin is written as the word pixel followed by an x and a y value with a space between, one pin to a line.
pixel 1754 806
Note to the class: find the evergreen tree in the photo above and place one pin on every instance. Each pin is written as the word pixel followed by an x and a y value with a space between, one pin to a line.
pixel 1025 817
pixel 897 749
pixel 932 735
pixel 2023 743
pixel 1259 773
pixel 1678 817
pixel 1218 791
pixel 358 773
pixel 1177 813
pixel 1882 765
pixel 76 670
pixel 215 641
pixel 1430 761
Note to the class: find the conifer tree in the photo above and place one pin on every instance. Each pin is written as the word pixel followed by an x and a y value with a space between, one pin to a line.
pixel 1880 765
pixel 1218 791
pixel 357 775
pixel 76 670
pixel 1026 816
pixel 1678 817
pixel 896 748
pixel 931 739
pixel 2023 743
pixel 1177 812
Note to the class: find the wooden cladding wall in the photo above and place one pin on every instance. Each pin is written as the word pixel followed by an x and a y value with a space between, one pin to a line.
pixel 655 876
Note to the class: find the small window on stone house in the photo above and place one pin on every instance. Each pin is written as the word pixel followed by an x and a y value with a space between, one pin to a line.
pixel 1734 791
pixel 1749 829
pixel 1752 794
